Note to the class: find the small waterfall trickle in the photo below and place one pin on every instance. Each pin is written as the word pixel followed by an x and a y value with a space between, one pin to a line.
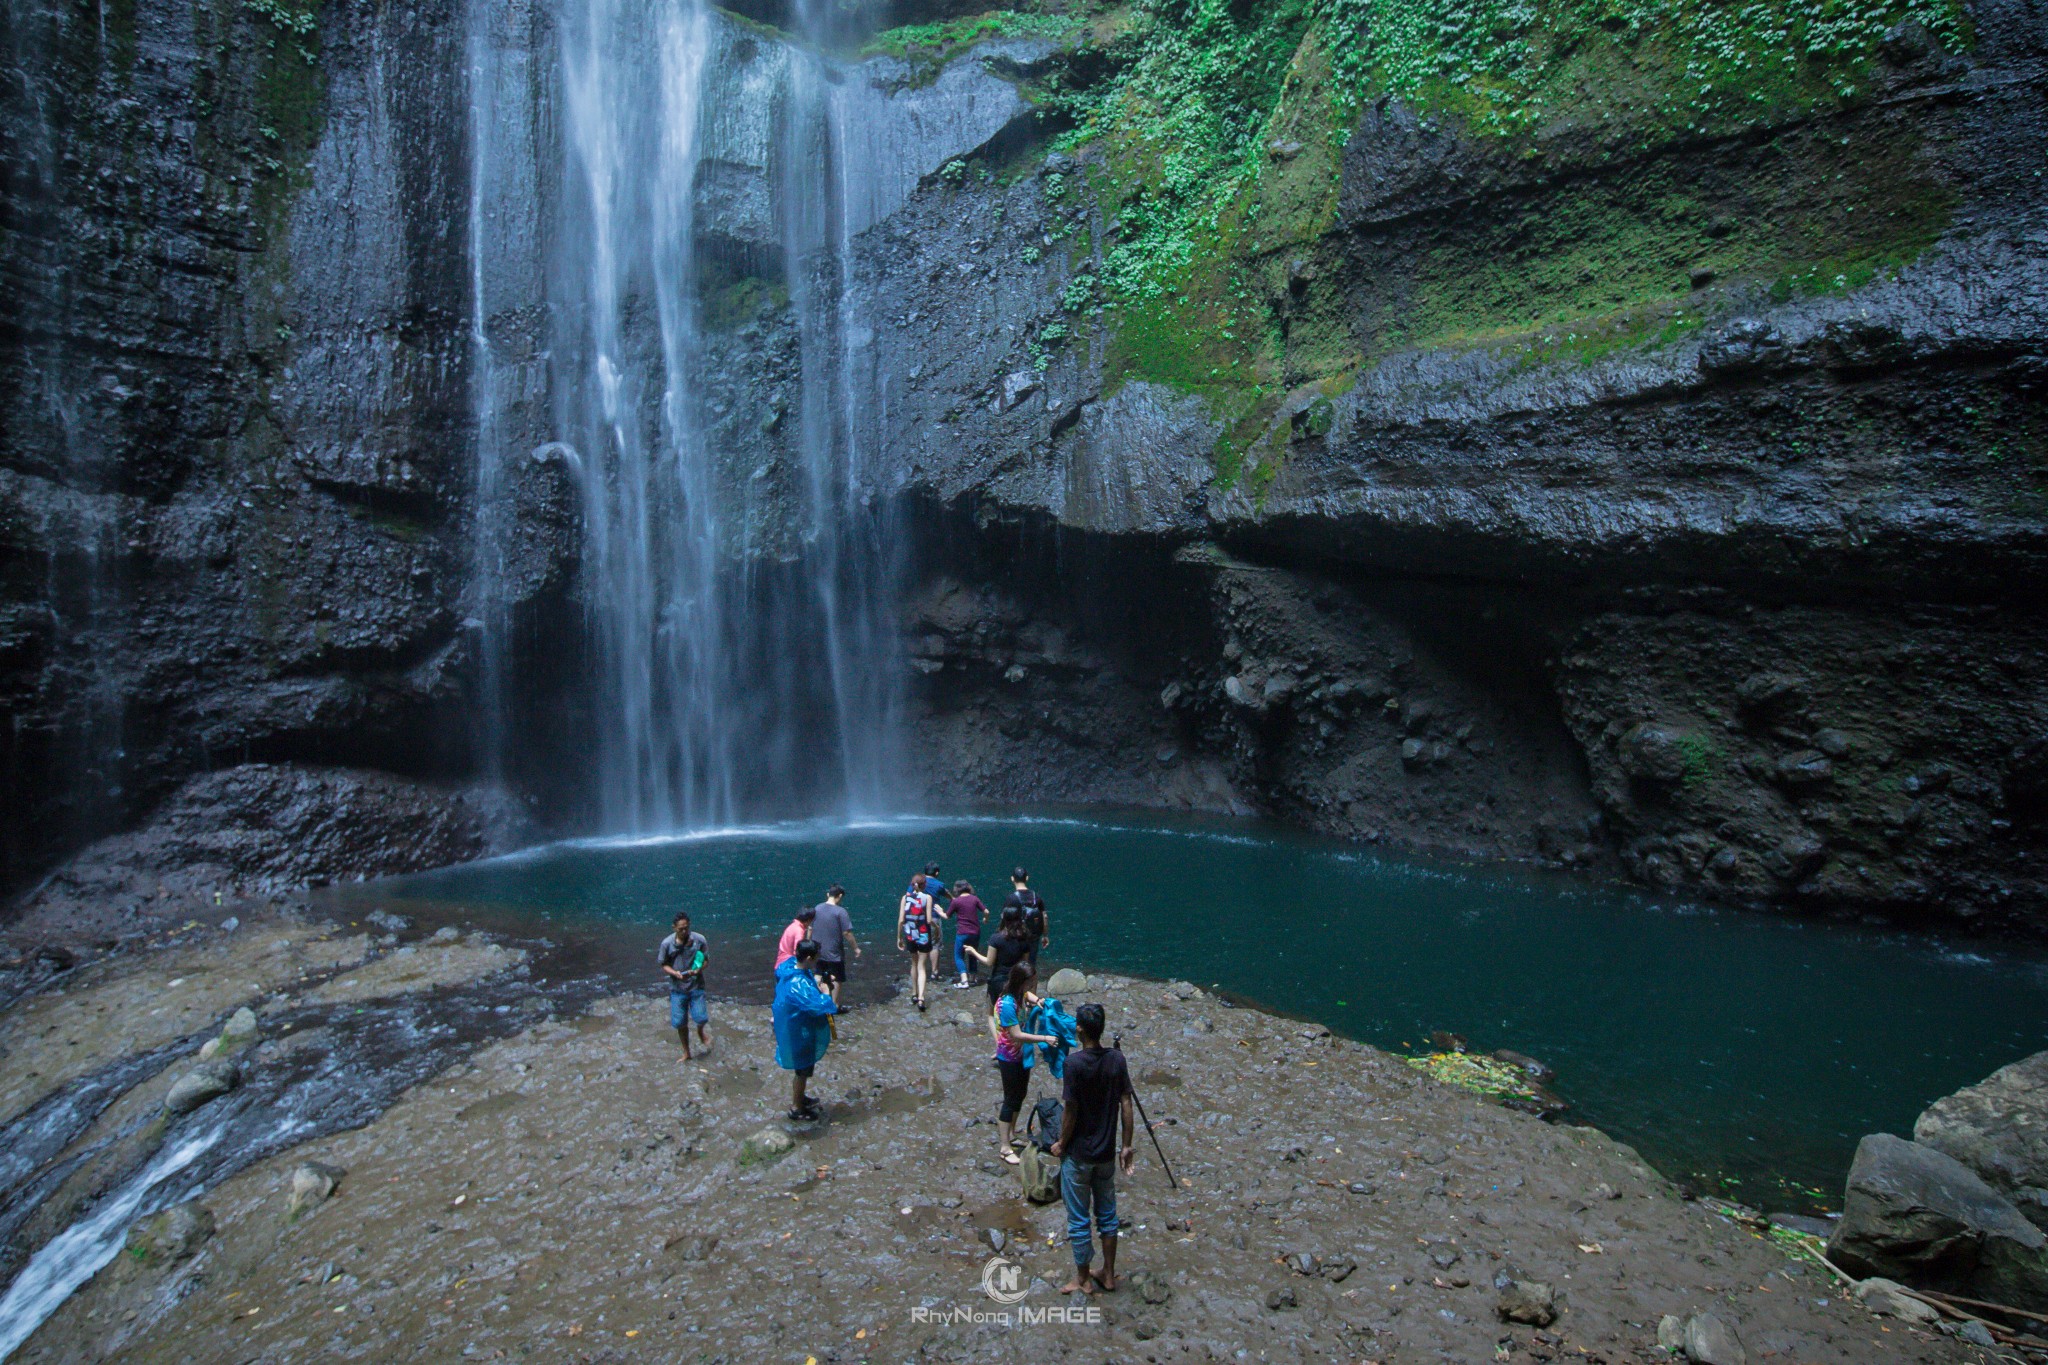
pixel 739 556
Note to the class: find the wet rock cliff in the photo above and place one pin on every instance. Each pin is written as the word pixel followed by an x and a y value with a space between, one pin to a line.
pixel 1517 452
pixel 235 455
pixel 1659 495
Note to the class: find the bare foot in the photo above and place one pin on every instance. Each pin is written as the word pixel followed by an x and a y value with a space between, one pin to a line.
pixel 1106 1279
pixel 1082 1283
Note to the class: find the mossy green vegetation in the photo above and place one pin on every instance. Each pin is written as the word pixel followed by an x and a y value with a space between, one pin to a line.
pixel 1604 263
pixel 928 47
pixel 1513 66
pixel 1480 1075
pixel 733 302
pixel 1213 134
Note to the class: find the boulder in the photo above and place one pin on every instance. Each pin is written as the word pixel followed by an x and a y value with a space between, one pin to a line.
pixel 1527 1301
pixel 207 1081
pixel 1652 753
pixel 1919 1216
pixel 1066 981
pixel 1709 1340
pixel 171 1236
pixel 239 1032
pixel 313 1184
pixel 770 1144
pixel 1888 1298
pixel 1670 1334
pixel 1999 1129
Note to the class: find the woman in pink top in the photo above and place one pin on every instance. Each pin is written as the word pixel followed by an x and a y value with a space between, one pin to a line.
pixel 799 929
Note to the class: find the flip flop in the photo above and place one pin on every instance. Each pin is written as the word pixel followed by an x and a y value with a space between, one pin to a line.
pixel 1010 1158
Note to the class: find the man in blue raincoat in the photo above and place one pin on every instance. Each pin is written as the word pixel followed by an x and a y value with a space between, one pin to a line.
pixel 803 1028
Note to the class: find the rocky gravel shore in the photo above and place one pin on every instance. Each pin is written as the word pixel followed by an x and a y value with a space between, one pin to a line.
pixel 575 1192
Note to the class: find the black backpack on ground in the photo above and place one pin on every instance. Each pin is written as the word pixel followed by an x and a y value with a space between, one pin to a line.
pixel 1042 1128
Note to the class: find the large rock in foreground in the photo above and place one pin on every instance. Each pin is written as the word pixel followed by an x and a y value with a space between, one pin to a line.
pixel 1921 1217
pixel 1999 1129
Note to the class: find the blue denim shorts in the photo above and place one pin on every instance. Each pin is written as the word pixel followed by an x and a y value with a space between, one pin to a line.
pixel 687 1005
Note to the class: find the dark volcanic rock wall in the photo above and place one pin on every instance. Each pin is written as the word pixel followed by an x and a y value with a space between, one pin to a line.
pixel 235 447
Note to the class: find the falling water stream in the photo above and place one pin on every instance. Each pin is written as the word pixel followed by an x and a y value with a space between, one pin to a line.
pixel 738 582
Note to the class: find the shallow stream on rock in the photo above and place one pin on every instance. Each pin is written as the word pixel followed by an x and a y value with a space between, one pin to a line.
pixel 1741 1050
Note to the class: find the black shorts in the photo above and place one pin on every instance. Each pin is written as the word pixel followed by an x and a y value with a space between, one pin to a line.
pixel 830 971
pixel 805 1071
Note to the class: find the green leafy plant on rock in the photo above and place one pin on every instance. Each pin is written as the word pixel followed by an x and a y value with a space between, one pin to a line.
pixel 1213 132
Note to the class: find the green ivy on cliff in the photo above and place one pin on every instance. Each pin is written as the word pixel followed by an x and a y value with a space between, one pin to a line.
pixel 1213 132
pixel 1507 66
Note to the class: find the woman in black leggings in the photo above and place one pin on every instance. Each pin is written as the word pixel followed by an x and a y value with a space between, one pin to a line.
pixel 1013 1052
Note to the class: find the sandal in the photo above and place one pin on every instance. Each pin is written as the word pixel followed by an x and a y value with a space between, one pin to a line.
pixel 1010 1157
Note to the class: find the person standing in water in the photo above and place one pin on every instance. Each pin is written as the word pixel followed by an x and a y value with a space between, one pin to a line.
pixel 802 1014
pixel 1096 1097
pixel 682 963
pixel 917 932
pixel 1037 919
pixel 833 929
pixel 966 909
pixel 1014 1053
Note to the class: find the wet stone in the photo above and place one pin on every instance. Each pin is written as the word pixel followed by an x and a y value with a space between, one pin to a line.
pixel 1710 1340
pixel 172 1235
pixel 769 1144
pixel 204 1083
pixel 312 1184
pixel 1527 1301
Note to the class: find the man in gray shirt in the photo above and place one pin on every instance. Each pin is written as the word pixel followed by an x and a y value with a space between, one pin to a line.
pixel 833 930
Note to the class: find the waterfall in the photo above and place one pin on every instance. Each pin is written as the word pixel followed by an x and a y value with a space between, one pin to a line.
pixel 853 534
pixel 739 557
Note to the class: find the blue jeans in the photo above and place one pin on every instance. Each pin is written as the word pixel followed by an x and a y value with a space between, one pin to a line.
pixel 961 943
pixel 1083 1183
pixel 687 1005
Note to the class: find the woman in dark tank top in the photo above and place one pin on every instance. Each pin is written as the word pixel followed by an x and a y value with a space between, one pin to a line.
pixel 1005 950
